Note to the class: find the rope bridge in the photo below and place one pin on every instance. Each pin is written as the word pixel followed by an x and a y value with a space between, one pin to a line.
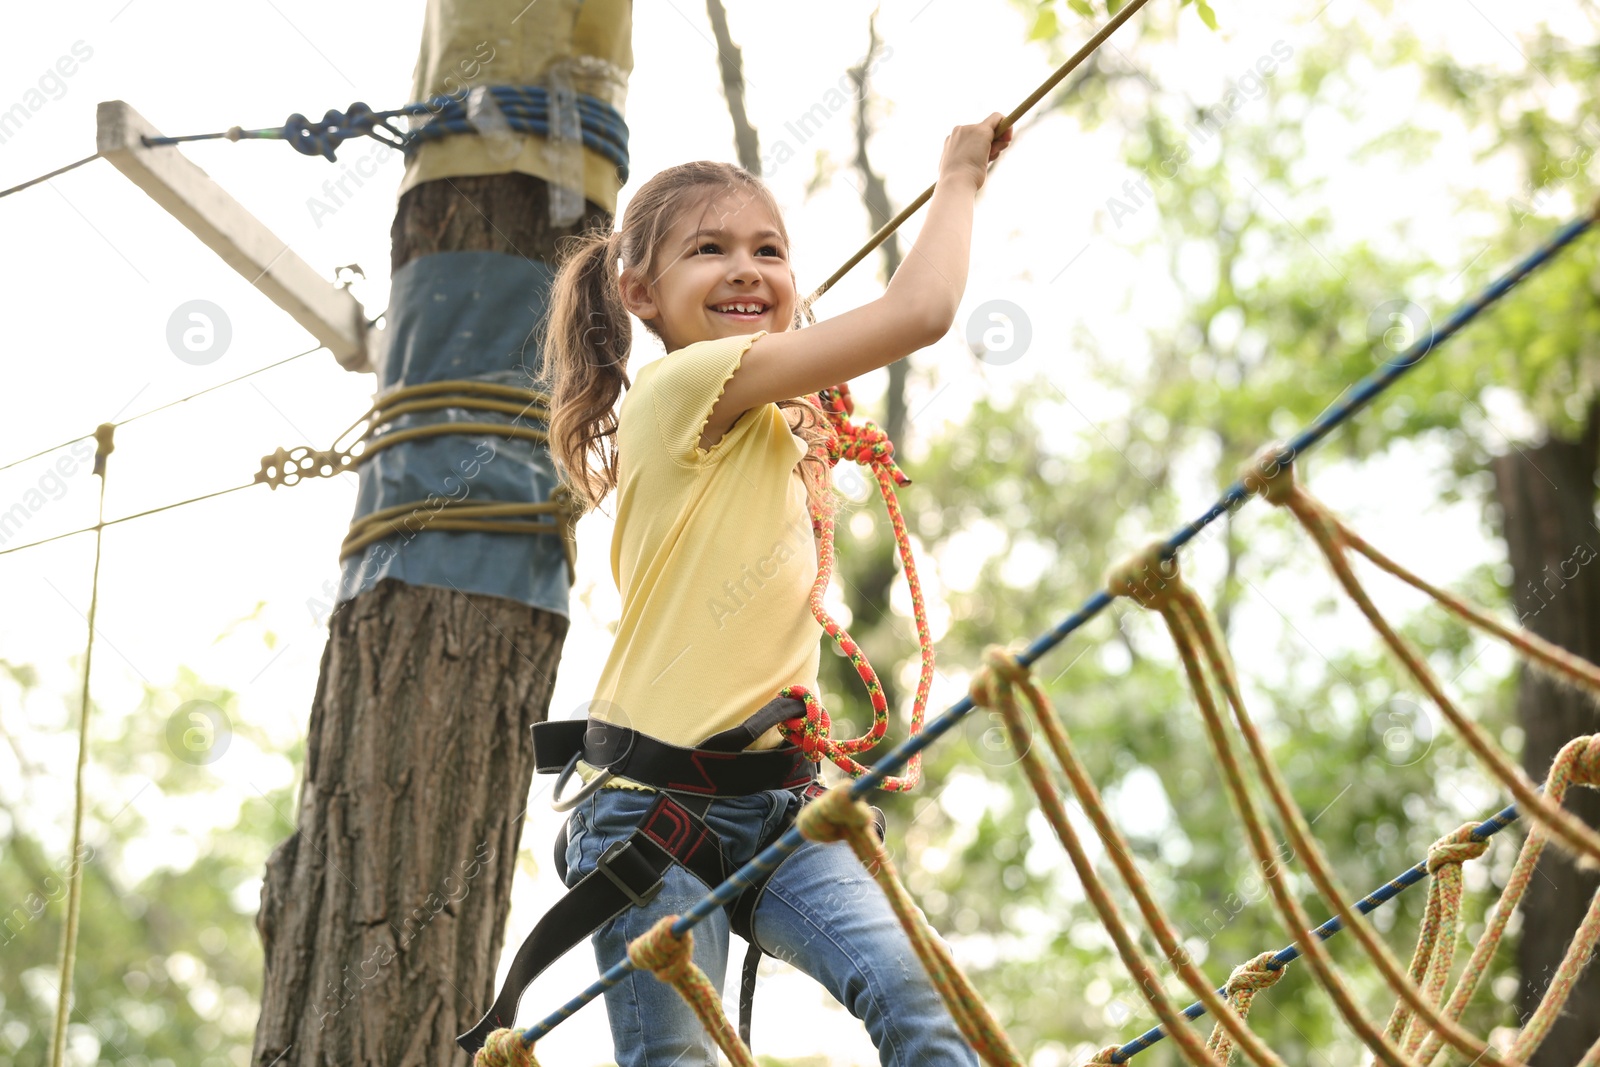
pixel 1424 1021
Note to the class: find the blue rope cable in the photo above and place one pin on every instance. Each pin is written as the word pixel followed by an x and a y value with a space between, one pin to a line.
pixel 526 109
pixel 1358 397
pixel 1367 904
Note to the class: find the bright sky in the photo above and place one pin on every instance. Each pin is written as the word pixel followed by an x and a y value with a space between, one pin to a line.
pixel 95 269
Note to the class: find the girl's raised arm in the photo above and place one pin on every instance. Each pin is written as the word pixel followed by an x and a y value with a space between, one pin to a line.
pixel 916 310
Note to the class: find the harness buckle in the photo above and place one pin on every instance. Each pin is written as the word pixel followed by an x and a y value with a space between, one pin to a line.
pixel 612 855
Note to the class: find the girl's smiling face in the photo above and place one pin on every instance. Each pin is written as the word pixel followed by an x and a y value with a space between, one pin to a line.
pixel 721 270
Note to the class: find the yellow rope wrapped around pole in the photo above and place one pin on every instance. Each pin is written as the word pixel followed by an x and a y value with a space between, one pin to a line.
pixel 289 467
pixel 475 392
pixel 411 518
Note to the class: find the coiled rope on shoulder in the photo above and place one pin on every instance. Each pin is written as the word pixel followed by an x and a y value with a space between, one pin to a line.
pixel 866 444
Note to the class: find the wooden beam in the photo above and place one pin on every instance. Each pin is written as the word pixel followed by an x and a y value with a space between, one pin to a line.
pixel 190 195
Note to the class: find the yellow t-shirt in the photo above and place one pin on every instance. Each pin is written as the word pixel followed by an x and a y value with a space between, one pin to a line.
pixel 713 555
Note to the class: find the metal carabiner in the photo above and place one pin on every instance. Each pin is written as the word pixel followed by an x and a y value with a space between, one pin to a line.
pixel 588 790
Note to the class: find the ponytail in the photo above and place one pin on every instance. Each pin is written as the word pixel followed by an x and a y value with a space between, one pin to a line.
pixel 587 340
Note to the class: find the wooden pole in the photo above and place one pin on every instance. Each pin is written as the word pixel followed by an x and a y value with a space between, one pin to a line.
pixel 383 915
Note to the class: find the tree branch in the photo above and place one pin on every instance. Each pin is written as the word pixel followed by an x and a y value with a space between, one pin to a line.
pixel 732 63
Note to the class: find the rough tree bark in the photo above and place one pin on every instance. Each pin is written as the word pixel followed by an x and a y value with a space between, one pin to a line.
pixel 1547 496
pixel 383 914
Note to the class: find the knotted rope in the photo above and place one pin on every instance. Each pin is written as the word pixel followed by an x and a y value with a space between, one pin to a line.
pixel 866 444
pixel 1360 394
pixel 1578 763
pixel 1272 474
pixel 995 686
pixel 504 1048
pixel 1155 582
pixel 1199 647
pixel 1440 930
pixel 834 816
pixel 671 959
pixel 1247 979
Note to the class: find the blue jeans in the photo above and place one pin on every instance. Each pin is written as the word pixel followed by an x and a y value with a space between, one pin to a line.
pixel 822 913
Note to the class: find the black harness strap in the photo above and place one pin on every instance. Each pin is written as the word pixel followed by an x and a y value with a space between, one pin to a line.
pixel 629 874
pixel 717 768
pixel 747 990
pixel 770 714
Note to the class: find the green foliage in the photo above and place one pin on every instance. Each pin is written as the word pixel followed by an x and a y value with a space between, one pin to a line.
pixel 168 967
pixel 1046 24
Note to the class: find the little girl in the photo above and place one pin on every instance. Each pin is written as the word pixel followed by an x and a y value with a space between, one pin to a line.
pixel 718 468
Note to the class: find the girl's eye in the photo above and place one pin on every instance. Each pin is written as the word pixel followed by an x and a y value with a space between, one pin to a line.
pixel 772 250
pixel 712 245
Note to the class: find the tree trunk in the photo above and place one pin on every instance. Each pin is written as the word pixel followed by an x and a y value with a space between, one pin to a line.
pixel 382 916
pixel 1546 495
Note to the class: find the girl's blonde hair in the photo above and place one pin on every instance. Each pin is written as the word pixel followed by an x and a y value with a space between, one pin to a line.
pixel 588 334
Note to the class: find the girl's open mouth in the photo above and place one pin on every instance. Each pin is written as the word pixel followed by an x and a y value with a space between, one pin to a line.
pixel 741 310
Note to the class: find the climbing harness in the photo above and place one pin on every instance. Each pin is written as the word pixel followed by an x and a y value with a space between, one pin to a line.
pixel 519 1044
pixel 672 832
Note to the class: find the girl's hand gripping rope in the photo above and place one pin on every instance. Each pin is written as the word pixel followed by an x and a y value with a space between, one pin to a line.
pixel 969 150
